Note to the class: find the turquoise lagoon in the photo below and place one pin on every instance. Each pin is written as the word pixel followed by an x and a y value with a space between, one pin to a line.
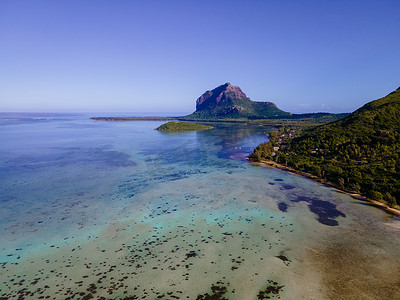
pixel 117 210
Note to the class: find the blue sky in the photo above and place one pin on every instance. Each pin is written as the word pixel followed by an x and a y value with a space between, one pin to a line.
pixel 160 56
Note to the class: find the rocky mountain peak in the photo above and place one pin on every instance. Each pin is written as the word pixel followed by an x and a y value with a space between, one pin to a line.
pixel 219 94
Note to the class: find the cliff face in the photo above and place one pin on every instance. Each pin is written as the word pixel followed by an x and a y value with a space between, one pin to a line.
pixel 228 101
pixel 223 93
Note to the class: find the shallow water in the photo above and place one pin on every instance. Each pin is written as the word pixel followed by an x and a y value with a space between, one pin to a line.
pixel 115 210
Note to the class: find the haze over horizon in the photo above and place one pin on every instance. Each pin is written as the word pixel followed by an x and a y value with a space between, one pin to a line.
pixel 158 56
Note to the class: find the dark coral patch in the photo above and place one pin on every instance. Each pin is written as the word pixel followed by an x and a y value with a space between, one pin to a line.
pixel 218 292
pixel 283 258
pixel 287 187
pixel 272 290
pixel 282 206
pixel 325 210
pixel 191 254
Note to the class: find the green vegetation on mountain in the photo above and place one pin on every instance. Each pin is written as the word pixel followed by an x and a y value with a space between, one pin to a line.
pixel 230 103
pixel 360 153
pixel 178 126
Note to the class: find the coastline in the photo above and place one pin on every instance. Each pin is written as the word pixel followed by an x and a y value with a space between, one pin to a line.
pixel 279 122
pixel 133 118
pixel 383 206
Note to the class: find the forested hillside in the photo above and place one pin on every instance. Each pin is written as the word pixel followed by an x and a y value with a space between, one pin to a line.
pixel 360 153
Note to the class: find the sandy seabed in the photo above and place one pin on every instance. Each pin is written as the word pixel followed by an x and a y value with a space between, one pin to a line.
pixel 194 240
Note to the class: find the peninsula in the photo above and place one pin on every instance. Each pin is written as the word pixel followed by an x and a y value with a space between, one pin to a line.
pixel 228 103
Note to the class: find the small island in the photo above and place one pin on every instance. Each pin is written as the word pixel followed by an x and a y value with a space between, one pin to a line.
pixel 179 126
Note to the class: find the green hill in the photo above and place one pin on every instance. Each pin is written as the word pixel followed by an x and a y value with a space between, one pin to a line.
pixel 360 153
pixel 178 126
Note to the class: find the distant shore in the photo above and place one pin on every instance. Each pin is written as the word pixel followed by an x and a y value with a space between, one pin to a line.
pixel 255 122
pixel 134 118
pixel 272 164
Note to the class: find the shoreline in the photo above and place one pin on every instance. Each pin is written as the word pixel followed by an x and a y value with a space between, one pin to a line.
pixel 375 203
pixel 254 122
pixel 133 118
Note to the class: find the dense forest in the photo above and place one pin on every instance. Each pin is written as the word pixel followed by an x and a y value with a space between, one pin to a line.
pixel 360 153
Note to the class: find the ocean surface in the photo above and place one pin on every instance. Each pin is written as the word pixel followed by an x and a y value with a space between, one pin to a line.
pixel 117 210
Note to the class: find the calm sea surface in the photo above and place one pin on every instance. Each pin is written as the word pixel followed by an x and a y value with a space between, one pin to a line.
pixel 114 210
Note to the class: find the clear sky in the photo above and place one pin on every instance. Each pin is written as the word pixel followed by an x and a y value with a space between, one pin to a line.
pixel 160 56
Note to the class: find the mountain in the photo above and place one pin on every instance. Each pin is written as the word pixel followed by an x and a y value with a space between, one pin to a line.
pixel 229 102
pixel 360 153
